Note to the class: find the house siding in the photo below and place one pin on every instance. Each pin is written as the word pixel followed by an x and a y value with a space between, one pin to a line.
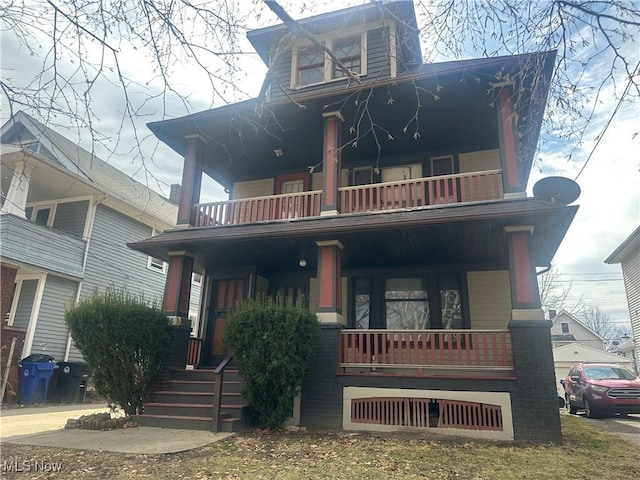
pixel 378 67
pixel 71 217
pixel 489 299
pixel 631 276
pixel 111 263
pixel 51 333
pixel 253 188
pixel 479 161
pixel 580 333
pixel 25 303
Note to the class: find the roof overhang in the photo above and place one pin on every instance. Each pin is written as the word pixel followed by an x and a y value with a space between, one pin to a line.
pixel 626 248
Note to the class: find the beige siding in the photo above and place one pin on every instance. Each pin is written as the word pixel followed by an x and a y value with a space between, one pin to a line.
pixel 489 299
pixel 316 181
pixel 253 188
pixel 398 174
pixel 479 161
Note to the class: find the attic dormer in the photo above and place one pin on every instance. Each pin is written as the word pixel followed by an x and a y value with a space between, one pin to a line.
pixel 375 42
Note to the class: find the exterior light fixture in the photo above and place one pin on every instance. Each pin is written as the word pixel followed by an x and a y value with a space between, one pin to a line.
pixel 302 262
pixel 278 152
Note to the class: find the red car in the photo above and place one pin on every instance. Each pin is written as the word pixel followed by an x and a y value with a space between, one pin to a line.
pixel 602 388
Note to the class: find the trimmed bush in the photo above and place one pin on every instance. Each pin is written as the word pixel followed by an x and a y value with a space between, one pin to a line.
pixel 273 343
pixel 125 340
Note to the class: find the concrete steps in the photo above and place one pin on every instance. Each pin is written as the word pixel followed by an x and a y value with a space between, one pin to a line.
pixel 186 399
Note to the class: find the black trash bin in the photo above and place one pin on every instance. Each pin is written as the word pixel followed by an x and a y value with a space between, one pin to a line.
pixel 71 382
pixel 35 373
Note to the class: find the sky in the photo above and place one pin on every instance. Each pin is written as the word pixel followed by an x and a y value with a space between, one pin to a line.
pixel 609 201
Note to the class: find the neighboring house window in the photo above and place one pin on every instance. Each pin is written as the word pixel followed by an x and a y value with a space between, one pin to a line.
pixel 313 65
pixel 43 214
pixel 197 278
pixel 565 327
pixel 156 264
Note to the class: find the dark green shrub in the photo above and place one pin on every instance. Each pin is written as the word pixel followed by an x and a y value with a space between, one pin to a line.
pixel 272 343
pixel 125 340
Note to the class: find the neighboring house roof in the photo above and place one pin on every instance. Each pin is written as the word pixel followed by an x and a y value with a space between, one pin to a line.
pixel 631 243
pixel 564 313
pixel 89 167
pixel 579 353
pixel 563 338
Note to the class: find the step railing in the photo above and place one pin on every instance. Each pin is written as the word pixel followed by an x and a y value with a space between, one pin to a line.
pixel 218 377
pixel 426 349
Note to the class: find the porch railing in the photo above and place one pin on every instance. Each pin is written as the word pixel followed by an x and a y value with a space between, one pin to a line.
pixel 466 187
pixel 259 209
pixel 193 351
pixel 440 190
pixel 421 349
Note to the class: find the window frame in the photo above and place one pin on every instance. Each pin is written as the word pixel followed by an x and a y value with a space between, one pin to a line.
pixel 154 266
pixel 328 64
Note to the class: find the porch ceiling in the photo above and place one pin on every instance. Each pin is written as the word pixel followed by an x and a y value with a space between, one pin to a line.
pixel 466 234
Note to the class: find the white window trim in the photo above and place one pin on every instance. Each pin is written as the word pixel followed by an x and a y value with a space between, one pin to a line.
pixel 44 206
pixel 14 302
pixel 150 259
pixel 328 64
pixel 35 311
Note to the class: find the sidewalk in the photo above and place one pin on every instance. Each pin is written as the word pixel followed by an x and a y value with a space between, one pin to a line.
pixel 44 426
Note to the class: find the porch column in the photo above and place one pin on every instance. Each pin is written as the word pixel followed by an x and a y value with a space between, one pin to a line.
pixel 16 198
pixel 175 305
pixel 511 176
pixel 330 282
pixel 191 180
pixel 534 402
pixel 331 163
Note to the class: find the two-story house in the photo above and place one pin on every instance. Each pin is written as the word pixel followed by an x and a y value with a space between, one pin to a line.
pixel 65 221
pixel 391 200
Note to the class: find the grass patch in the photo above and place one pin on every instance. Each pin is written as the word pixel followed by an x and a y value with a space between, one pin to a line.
pixel 586 453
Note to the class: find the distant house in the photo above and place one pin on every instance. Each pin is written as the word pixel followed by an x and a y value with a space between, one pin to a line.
pixel 628 256
pixel 567 329
pixel 65 220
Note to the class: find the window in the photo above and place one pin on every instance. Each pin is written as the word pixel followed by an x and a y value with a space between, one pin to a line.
pixel 197 278
pixel 313 65
pixel 43 215
pixel 293 186
pixel 156 264
pixel 564 327
pixel 361 176
pixel 429 301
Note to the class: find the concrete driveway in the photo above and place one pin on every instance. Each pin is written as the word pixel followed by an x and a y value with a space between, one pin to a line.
pixel 28 420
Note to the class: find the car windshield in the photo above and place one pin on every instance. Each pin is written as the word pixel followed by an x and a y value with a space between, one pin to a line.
pixel 605 372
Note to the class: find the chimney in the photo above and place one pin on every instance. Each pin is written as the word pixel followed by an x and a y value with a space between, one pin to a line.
pixel 552 313
pixel 176 193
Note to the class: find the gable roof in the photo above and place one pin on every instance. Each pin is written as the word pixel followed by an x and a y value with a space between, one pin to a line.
pixel 579 322
pixel 89 167
pixel 631 243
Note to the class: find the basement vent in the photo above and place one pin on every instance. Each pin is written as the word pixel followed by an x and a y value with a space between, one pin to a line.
pixel 426 413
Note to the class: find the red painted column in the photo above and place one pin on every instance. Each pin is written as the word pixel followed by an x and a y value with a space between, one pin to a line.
pixel 191 180
pixel 511 177
pixel 178 286
pixel 522 269
pixel 331 163
pixel 330 281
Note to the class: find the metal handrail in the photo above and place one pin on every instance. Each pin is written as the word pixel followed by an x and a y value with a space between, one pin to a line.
pixel 218 376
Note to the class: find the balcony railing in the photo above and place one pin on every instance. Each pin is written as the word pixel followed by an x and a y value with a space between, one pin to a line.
pixel 259 209
pixel 440 190
pixel 426 349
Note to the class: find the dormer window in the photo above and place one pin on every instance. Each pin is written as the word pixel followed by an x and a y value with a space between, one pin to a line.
pixel 312 65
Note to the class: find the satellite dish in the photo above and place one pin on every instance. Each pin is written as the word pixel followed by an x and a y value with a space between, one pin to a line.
pixel 558 190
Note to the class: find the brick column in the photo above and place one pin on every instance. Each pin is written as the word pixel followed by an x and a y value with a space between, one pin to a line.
pixel 331 163
pixel 191 180
pixel 175 304
pixel 534 401
pixel 511 176
pixel 330 282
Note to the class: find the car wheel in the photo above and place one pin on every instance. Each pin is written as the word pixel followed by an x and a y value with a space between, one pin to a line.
pixel 561 402
pixel 572 408
pixel 588 410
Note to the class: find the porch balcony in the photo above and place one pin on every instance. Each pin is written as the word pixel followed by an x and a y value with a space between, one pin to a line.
pixel 427 192
pixel 423 353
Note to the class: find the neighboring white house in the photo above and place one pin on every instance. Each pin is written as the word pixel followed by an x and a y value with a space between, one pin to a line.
pixel 66 219
pixel 566 356
pixel 568 329
pixel 628 256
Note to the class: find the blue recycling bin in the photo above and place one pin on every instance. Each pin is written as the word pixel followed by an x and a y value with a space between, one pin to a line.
pixel 35 373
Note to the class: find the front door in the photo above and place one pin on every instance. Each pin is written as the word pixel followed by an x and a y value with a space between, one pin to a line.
pixel 226 294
